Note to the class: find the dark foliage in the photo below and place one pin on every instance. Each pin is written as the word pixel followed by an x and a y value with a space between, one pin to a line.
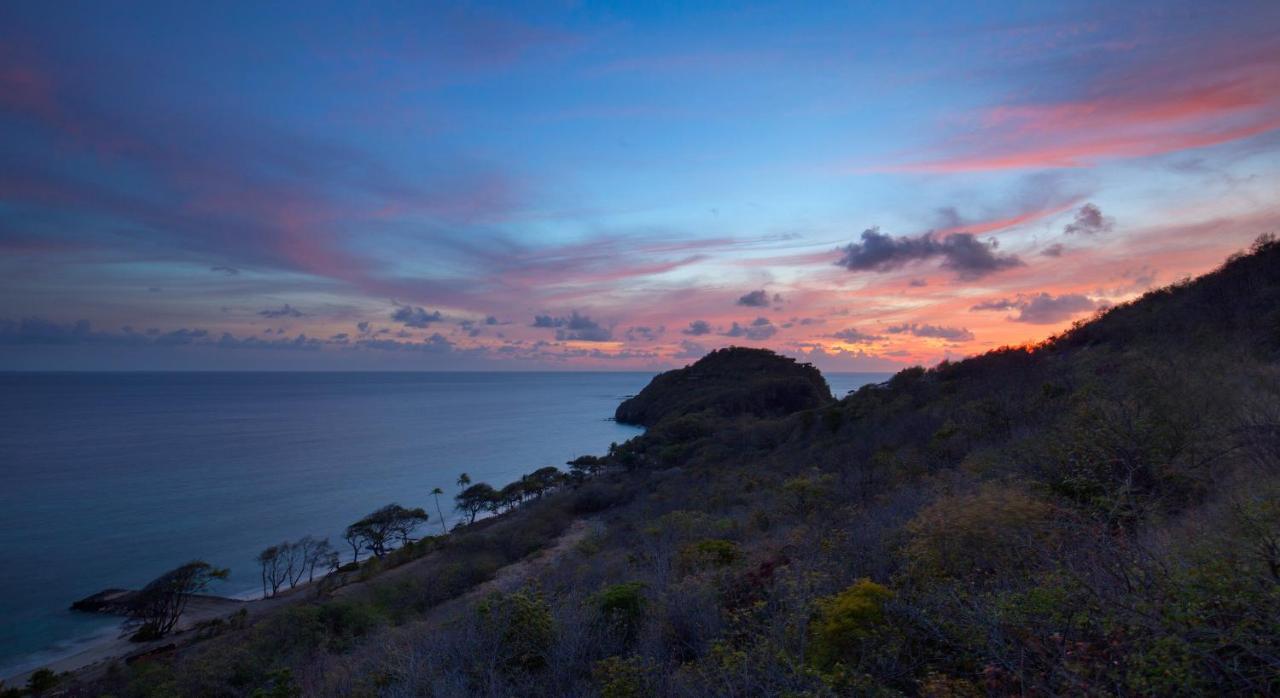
pixel 727 383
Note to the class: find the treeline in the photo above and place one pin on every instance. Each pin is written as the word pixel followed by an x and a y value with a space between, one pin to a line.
pixel 393 527
pixel 481 496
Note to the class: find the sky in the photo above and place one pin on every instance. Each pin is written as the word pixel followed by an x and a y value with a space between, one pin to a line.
pixel 564 186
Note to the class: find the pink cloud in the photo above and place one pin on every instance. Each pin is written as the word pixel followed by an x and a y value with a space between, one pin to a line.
pixel 1152 109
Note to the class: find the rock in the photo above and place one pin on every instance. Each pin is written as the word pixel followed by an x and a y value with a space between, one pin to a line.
pixel 109 601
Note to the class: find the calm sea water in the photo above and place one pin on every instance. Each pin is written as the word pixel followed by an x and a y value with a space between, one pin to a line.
pixel 108 479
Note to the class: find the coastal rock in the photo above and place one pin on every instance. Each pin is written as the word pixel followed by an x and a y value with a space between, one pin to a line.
pixel 109 601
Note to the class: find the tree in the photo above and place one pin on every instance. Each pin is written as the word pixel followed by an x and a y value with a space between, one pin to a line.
pixel 583 467
pixel 40 681
pixel 292 553
pixel 405 521
pixel 381 527
pixel 436 492
pixel 539 481
pixel 273 568
pixel 511 495
pixel 313 554
pixel 157 607
pixel 475 499
pixel 464 480
pixel 354 538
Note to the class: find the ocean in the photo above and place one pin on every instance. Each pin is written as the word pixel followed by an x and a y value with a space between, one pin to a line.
pixel 109 479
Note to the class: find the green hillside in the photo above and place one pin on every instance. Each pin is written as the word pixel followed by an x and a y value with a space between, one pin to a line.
pixel 1095 515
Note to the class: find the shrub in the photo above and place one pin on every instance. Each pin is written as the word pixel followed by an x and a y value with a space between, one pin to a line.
pixel 845 622
pixel 711 552
pixel 42 680
pixel 807 493
pixel 978 535
pixel 524 629
pixel 624 678
pixel 598 496
pixel 622 605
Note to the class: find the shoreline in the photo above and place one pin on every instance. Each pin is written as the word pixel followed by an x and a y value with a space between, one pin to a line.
pixel 101 650
pixel 111 644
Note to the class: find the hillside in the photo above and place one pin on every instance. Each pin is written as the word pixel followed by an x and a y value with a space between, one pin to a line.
pixel 729 382
pixel 1095 515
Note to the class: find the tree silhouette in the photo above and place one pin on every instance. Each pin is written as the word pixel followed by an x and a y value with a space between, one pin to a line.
pixel 436 492
pixel 475 499
pixel 159 606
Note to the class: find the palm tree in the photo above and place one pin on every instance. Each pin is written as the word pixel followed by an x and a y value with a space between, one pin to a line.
pixel 464 480
pixel 436 493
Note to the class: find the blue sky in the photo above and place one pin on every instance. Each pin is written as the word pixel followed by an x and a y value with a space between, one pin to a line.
pixel 314 186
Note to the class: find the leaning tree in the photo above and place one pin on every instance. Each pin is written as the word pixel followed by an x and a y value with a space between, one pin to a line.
pixel 155 610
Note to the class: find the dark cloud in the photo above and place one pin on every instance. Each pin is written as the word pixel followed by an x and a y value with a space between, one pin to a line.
pixel 755 299
pixel 697 328
pixel 1142 278
pixel 997 304
pixel 490 320
pixel 1089 221
pixel 644 334
pixel 918 283
pixel 880 252
pixel 435 344
pixel 363 327
pixel 574 327
pixel 1054 250
pixel 229 271
pixel 37 331
pixel 181 336
pixel 1042 308
pixel 962 253
pixel 951 334
pixel 971 258
pixel 690 350
pixel 759 329
pixel 803 322
pixel 414 316
pixel 301 342
pixel 285 310
pixel 856 336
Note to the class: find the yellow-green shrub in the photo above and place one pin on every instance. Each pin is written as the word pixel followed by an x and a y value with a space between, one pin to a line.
pixel 845 622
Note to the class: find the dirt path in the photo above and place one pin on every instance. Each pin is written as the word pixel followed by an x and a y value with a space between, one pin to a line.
pixel 515 575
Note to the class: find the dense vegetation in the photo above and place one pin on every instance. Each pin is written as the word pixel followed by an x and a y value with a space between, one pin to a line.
pixel 1095 515
pixel 728 383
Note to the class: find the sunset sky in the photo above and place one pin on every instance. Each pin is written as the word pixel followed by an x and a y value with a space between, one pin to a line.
pixel 610 187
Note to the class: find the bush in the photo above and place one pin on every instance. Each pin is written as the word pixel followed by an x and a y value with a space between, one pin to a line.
pixel 845 622
pixel 622 605
pixel 979 535
pixel 598 496
pixel 711 552
pixel 624 678
pixel 524 628
pixel 809 492
pixel 42 680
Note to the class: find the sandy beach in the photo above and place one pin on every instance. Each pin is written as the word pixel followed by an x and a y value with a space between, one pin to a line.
pixel 100 652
